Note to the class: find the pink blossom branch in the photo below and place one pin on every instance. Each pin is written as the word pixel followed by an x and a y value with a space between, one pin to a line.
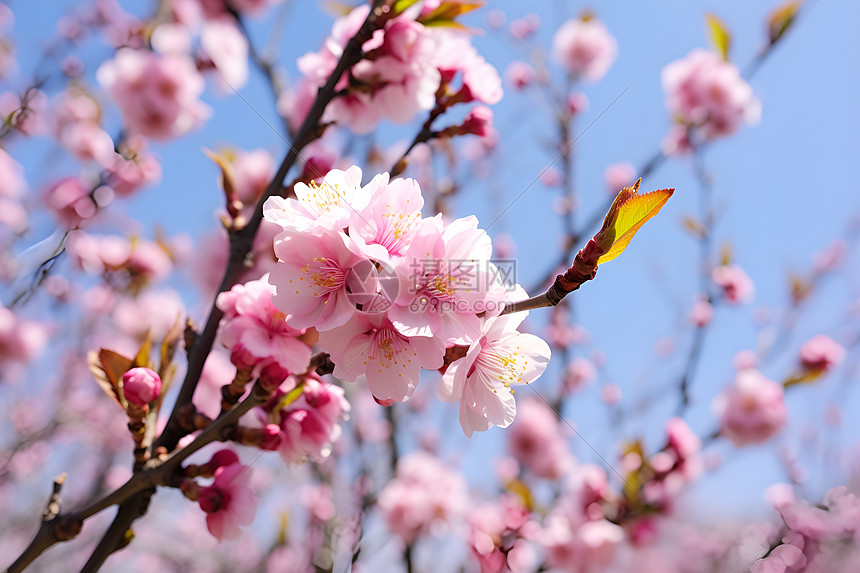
pixel 649 167
pixel 157 472
pixel 241 242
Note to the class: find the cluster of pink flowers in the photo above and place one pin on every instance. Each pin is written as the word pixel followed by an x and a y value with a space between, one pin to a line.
pixel 157 94
pixel 406 65
pixel 424 498
pixel 706 93
pixel 736 285
pixel 499 534
pixel 20 340
pixel 134 262
pixel 229 502
pixel 584 47
pixel 820 354
pixel 752 409
pixel 256 332
pixel 306 428
pixel 390 290
pixel 816 538
pixel 537 441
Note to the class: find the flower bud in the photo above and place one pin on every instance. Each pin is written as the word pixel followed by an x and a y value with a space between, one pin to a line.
pixel 141 386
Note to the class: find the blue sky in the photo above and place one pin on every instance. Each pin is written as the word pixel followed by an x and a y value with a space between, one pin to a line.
pixel 783 188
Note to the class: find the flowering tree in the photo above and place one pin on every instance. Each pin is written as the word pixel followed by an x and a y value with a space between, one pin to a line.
pixel 339 301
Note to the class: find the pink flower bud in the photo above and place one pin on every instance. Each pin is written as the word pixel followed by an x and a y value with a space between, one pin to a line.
pixel 577 103
pixel 273 375
pixel 141 386
pixel 821 353
pixel 479 121
pixel 222 458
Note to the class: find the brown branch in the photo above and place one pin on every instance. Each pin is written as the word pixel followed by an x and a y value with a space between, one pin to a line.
pixel 583 269
pixel 57 527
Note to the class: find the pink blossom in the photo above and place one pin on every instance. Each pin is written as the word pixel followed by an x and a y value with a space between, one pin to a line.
pixel 310 277
pixel 157 94
pixel 482 380
pixel 12 182
pixel 20 340
pixel 133 167
pixel 745 359
pixel 701 313
pixel 537 442
pixel 444 273
pixel 252 171
pixel 388 216
pixel 398 82
pixel 611 394
pixel 296 101
pixel 736 284
pixel 225 45
pixel 579 374
pixel 519 75
pixel 213 250
pixel 229 502
pixel 141 386
pixel 575 545
pixel 618 175
pixel 585 48
pixel 254 327
pixel 550 176
pixel 495 529
pixel 370 345
pixel 752 409
pixel 524 27
pixel 328 205
pixel 138 261
pixel 479 121
pixel 455 54
pixel 577 103
pixel 171 38
pixel 821 353
pixel 424 497
pixel 27 113
pixel 155 311
pixel 70 201
pixel 13 215
pixel 707 92
pixel 309 426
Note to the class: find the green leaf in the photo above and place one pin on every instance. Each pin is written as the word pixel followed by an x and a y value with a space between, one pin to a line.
pixel 401 6
pixel 781 19
pixel 718 35
pixel 446 12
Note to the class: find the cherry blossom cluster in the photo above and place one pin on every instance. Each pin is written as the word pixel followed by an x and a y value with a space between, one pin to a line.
pixel 424 497
pixel 392 292
pixel 815 538
pixel 229 501
pixel 706 93
pixel 407 69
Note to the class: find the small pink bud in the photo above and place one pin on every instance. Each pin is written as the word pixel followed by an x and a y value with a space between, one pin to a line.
pixel 271 436
pixel 273 375
pixel 141 386
pixel 479 121
pixel 222 458
pixel 577 103
pixel 210 499
pixel 241 357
